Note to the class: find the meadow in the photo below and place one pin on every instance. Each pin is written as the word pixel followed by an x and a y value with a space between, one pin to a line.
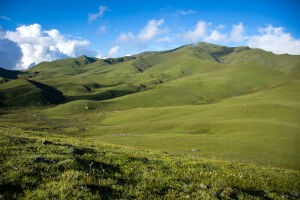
pixel 197 122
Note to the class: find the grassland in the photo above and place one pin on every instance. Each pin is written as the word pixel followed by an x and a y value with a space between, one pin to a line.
pixel 236 110
pixel 37 165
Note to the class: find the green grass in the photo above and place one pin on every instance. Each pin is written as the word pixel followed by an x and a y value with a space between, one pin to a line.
pixel 258 128
pixel 119 172
pixel 232 110
pixel 22 92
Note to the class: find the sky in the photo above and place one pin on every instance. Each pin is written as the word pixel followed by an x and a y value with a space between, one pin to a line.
pixel 32 31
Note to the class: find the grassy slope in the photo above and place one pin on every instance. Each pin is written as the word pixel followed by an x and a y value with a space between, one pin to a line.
pixel 171 105
pixel 260 128
pixel 28 93
pixel 211 82
pixel 114 172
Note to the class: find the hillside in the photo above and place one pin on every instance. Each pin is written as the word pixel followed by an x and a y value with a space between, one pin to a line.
pixel 22 92
pixel 186 70
pixel 228 103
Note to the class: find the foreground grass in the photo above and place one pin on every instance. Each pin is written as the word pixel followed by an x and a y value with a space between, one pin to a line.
pixel 97 171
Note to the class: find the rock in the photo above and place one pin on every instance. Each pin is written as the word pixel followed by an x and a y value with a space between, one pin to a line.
pixel 45 142
pixel 195 150
pixel 45 160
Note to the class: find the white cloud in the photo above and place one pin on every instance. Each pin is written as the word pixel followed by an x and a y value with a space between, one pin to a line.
pixel 100 56
pixel 38 45
pixel 197 34
pixel 276 40
pixel 10 54
pixel 125 37
pixel 93 17
pixel 188 12
pixel 216 36
pixel 164 39
pixel 237 33
pixel 143 40
pixel 221 26
pixel 5 18
pixel 102 29
pixel 150 30
pixel 113 52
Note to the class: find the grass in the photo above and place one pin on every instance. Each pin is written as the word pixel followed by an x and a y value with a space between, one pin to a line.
pixel 229 116
pixel 118 172
pixel 22 92
pixel 261 128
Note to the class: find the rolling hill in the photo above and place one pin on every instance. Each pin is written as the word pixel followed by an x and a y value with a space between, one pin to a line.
pixel 230 103
pixel 200 121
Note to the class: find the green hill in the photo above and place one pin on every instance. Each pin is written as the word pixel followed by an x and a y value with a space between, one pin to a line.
pixel 188 69
pixel 22 92
pixel 230 103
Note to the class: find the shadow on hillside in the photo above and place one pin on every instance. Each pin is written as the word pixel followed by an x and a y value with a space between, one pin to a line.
pixel 51 94
pixel 10 74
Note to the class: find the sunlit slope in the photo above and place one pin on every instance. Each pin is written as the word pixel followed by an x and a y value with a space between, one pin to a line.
pixel 191 74
pixel 149 70
pixel 261 127
pixel 211 83
pixel 233 55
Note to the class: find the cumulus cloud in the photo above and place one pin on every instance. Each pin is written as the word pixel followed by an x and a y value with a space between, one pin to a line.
pixel 94 16
pixel 237 33
pixel 10 54
pixel 38 45
pixel 150 30
pixel 143 39
pixel 276 40
pixel 100 56
pixel 198 33
pixel 270 38
pixel 203 32
pixel 216 36
pixel 187 12
pixel 113 52
pixel 125 37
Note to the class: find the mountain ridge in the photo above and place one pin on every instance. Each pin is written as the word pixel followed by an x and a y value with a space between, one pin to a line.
pixel 102 79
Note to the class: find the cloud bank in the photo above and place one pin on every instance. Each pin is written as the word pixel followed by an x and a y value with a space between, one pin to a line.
pixel 37 45
pixel 276 40
pixel 30 45
pixel 140 41
pixel 270 38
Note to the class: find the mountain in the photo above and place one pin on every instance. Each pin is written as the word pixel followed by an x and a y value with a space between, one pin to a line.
pixel 231 103
pixel 23 92
pixel 191 74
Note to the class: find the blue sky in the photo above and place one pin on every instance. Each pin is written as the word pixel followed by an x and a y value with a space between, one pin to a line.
pixel 35 31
